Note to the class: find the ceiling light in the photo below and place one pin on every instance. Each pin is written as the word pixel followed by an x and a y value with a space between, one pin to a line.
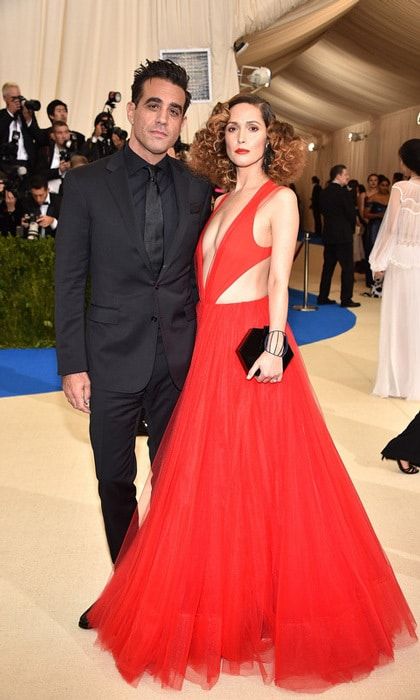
pixel 313 146
pixel 255 77
pixel 356 136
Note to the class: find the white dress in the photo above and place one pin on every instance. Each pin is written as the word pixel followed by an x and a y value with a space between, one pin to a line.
pixel 397 252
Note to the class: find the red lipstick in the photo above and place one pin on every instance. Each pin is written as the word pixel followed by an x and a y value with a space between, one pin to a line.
pixel 240 151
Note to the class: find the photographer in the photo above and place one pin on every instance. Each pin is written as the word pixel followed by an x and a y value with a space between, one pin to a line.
pixel 54 159
pixel 40 211
pixel 57 111
pixel 100 144
pixel 19 131
pixel 8 213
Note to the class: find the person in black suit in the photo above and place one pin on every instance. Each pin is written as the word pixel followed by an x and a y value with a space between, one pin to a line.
pixel 18 125
pixel 54 158
pixel 41 204
pixel 57 111
pixel 339 214
pixel 136 239
pixel 316 213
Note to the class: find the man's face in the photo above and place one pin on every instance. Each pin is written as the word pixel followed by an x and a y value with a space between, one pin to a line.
pixel 60 135
pixel 39 195
pixel 10 98
pixel 157 119
pixel 60 114
pixel 343 177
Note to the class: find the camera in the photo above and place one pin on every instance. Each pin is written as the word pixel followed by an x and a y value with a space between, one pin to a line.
pixel 12 185
pixel 8 151
pixel 108 125
pixel 33 230
pixel 33 105
pixel 64 154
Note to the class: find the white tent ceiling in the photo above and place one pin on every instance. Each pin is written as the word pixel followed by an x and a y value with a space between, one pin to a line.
pixel 338 62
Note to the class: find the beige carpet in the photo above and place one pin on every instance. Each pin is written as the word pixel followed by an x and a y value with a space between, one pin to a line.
pixel 54 555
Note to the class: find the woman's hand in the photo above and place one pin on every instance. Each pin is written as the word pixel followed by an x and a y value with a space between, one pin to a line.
pixel 379 275
pixel 270 366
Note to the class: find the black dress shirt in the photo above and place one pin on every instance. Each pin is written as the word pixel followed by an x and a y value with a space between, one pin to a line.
pixel 138 176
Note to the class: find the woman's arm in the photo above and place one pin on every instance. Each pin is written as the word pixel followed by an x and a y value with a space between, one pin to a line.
pixel 284 220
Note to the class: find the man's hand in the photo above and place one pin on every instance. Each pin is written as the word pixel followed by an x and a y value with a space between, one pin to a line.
pixel 45 221
pixel 27 114
pixel 64 166
pixel 10 200
pixel 76 388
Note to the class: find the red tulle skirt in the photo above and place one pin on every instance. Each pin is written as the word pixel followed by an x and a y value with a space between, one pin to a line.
pixel 256 554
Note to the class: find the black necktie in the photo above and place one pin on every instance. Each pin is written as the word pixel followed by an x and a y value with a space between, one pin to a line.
pixel 153 222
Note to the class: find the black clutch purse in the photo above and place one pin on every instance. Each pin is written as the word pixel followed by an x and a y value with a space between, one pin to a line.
pixel 252 346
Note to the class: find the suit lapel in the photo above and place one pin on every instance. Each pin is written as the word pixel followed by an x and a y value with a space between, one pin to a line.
pixel 181 182
pixel 117 182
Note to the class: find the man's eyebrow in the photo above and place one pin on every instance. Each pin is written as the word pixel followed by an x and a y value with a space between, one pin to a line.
pixel 159 100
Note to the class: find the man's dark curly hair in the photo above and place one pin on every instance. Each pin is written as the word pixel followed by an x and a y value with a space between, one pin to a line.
pixel 285 152
pixel 165 69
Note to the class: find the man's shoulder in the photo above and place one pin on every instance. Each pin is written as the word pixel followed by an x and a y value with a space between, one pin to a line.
pixel 91 171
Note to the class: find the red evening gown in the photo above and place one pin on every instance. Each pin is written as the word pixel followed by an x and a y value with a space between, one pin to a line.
pixel 256 554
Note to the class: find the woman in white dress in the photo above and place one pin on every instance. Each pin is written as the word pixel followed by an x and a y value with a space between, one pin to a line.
pixel 396 257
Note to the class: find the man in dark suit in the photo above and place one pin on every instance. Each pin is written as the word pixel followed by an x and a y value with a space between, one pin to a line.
pixel 57 111
pixel 19 126
pixel 54 158
pixel 316 213
pixel 42 205
pixel 136 240
pixel 339 214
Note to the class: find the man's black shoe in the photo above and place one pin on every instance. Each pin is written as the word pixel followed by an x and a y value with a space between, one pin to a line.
pixel 83 620
pixel 350 304
pixel 324 302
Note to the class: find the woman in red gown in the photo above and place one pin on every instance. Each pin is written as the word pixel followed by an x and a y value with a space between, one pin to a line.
pixel 255 553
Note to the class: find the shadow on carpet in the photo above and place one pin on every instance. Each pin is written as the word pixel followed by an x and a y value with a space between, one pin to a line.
pixel 35 371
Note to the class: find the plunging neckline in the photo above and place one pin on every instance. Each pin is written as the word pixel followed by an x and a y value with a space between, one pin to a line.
pixel 225 235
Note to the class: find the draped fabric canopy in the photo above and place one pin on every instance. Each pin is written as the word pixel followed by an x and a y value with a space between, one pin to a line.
pixel 337 62
pixel 341 66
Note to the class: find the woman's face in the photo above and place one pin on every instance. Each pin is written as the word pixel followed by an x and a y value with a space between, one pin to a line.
pixel 373 182
pixel 383 187
pixel 245 135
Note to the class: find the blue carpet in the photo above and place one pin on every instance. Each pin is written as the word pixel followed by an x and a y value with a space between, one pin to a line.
pixel 35 371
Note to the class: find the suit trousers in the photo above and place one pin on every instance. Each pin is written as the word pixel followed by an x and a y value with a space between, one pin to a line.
pixel 334 253
pixel 113 429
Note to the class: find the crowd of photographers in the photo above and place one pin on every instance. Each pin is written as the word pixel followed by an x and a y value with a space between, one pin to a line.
pixel 34 161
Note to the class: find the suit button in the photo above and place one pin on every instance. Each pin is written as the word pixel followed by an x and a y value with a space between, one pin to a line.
pixel 154 319
pixel 156 286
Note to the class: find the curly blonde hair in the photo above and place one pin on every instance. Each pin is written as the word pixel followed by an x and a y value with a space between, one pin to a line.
pixel 284 156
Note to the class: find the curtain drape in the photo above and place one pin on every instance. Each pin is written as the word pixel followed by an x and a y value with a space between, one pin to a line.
pixel 79 50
